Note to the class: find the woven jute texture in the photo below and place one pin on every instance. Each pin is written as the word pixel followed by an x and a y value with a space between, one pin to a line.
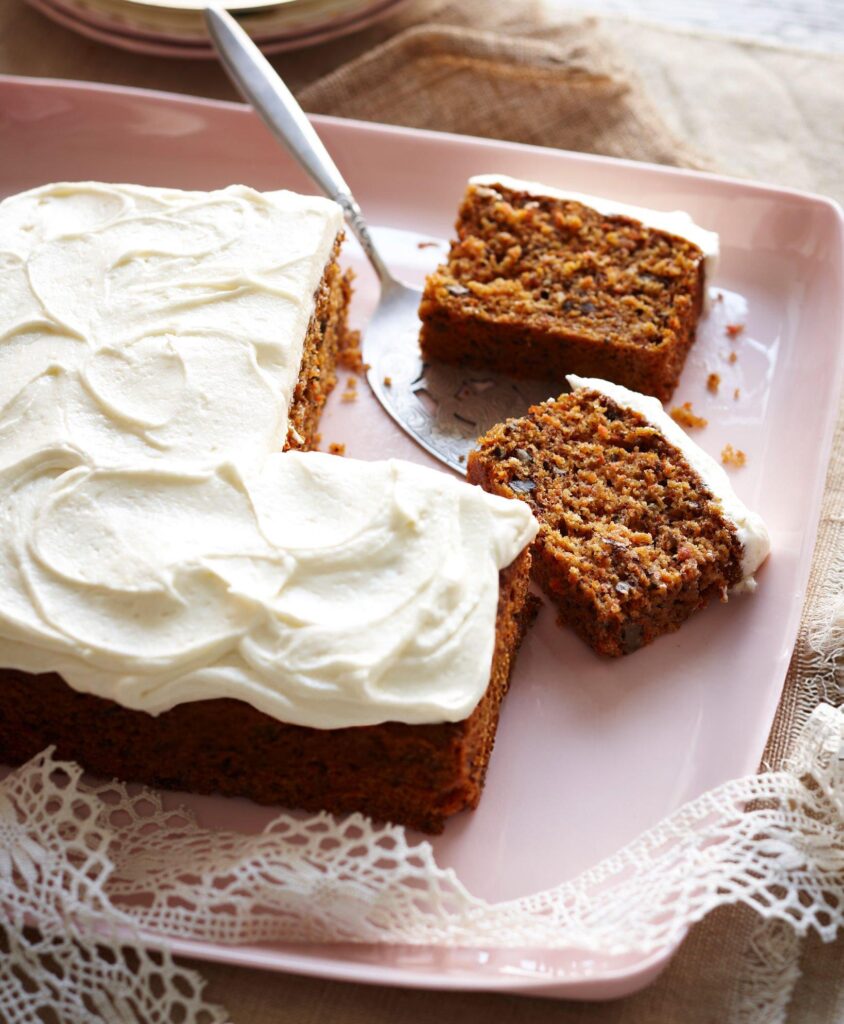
pixel 570 93
pixel 529 71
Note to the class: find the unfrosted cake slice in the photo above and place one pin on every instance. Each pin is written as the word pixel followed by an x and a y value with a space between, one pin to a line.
pixel 186 601
pixel 638 526
pixel 542 282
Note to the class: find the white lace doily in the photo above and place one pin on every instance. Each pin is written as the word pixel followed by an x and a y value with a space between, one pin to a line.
pixel 84 868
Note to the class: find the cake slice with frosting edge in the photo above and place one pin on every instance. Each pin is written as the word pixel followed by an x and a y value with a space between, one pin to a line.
pixel 639 527
pixel 541 282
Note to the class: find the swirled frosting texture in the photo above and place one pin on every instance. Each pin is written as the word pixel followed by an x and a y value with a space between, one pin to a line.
pixel 156 546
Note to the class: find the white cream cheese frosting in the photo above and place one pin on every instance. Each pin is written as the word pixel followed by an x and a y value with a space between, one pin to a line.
pixel 674 222
pixel 749 526
pixel 156 546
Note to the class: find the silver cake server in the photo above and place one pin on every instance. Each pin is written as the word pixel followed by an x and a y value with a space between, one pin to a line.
pixel 444 408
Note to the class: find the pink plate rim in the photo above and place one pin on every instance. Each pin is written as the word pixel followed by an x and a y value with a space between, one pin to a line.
pixel 165 95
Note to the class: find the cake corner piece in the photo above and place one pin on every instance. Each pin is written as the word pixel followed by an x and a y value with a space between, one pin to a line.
pixel 542 282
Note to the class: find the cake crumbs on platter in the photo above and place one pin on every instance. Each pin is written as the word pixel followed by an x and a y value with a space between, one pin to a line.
pixel 732 358
pixel 734 330
pixel 351 392
pixel 686 417
pixel 388 382
pixel 336 449
pixel 350 357
pixel 713 382
pixel 736 394
pixel 427 245
pixel 733 456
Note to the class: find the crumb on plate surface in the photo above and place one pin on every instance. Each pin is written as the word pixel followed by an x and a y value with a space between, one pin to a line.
pixel 686 416
pixel 733 456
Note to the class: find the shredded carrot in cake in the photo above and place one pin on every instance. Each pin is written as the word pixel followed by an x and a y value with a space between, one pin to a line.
pixel 713 382
pixel 686 417
pixel 733 456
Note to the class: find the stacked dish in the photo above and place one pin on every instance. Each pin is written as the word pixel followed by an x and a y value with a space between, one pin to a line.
pixel 176 28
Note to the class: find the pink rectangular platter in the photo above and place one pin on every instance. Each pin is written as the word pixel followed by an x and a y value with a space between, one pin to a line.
pixel 590 752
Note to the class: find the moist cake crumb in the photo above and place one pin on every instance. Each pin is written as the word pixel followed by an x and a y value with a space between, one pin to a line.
pixel 335 448
pixel 733 456
pixel 732 358
pixel 350 358
pixel 351 392
pixel 713 382
pixel 686 417
pixel 325 347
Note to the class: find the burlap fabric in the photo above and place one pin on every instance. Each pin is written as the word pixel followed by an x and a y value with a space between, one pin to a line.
pixel 514 70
